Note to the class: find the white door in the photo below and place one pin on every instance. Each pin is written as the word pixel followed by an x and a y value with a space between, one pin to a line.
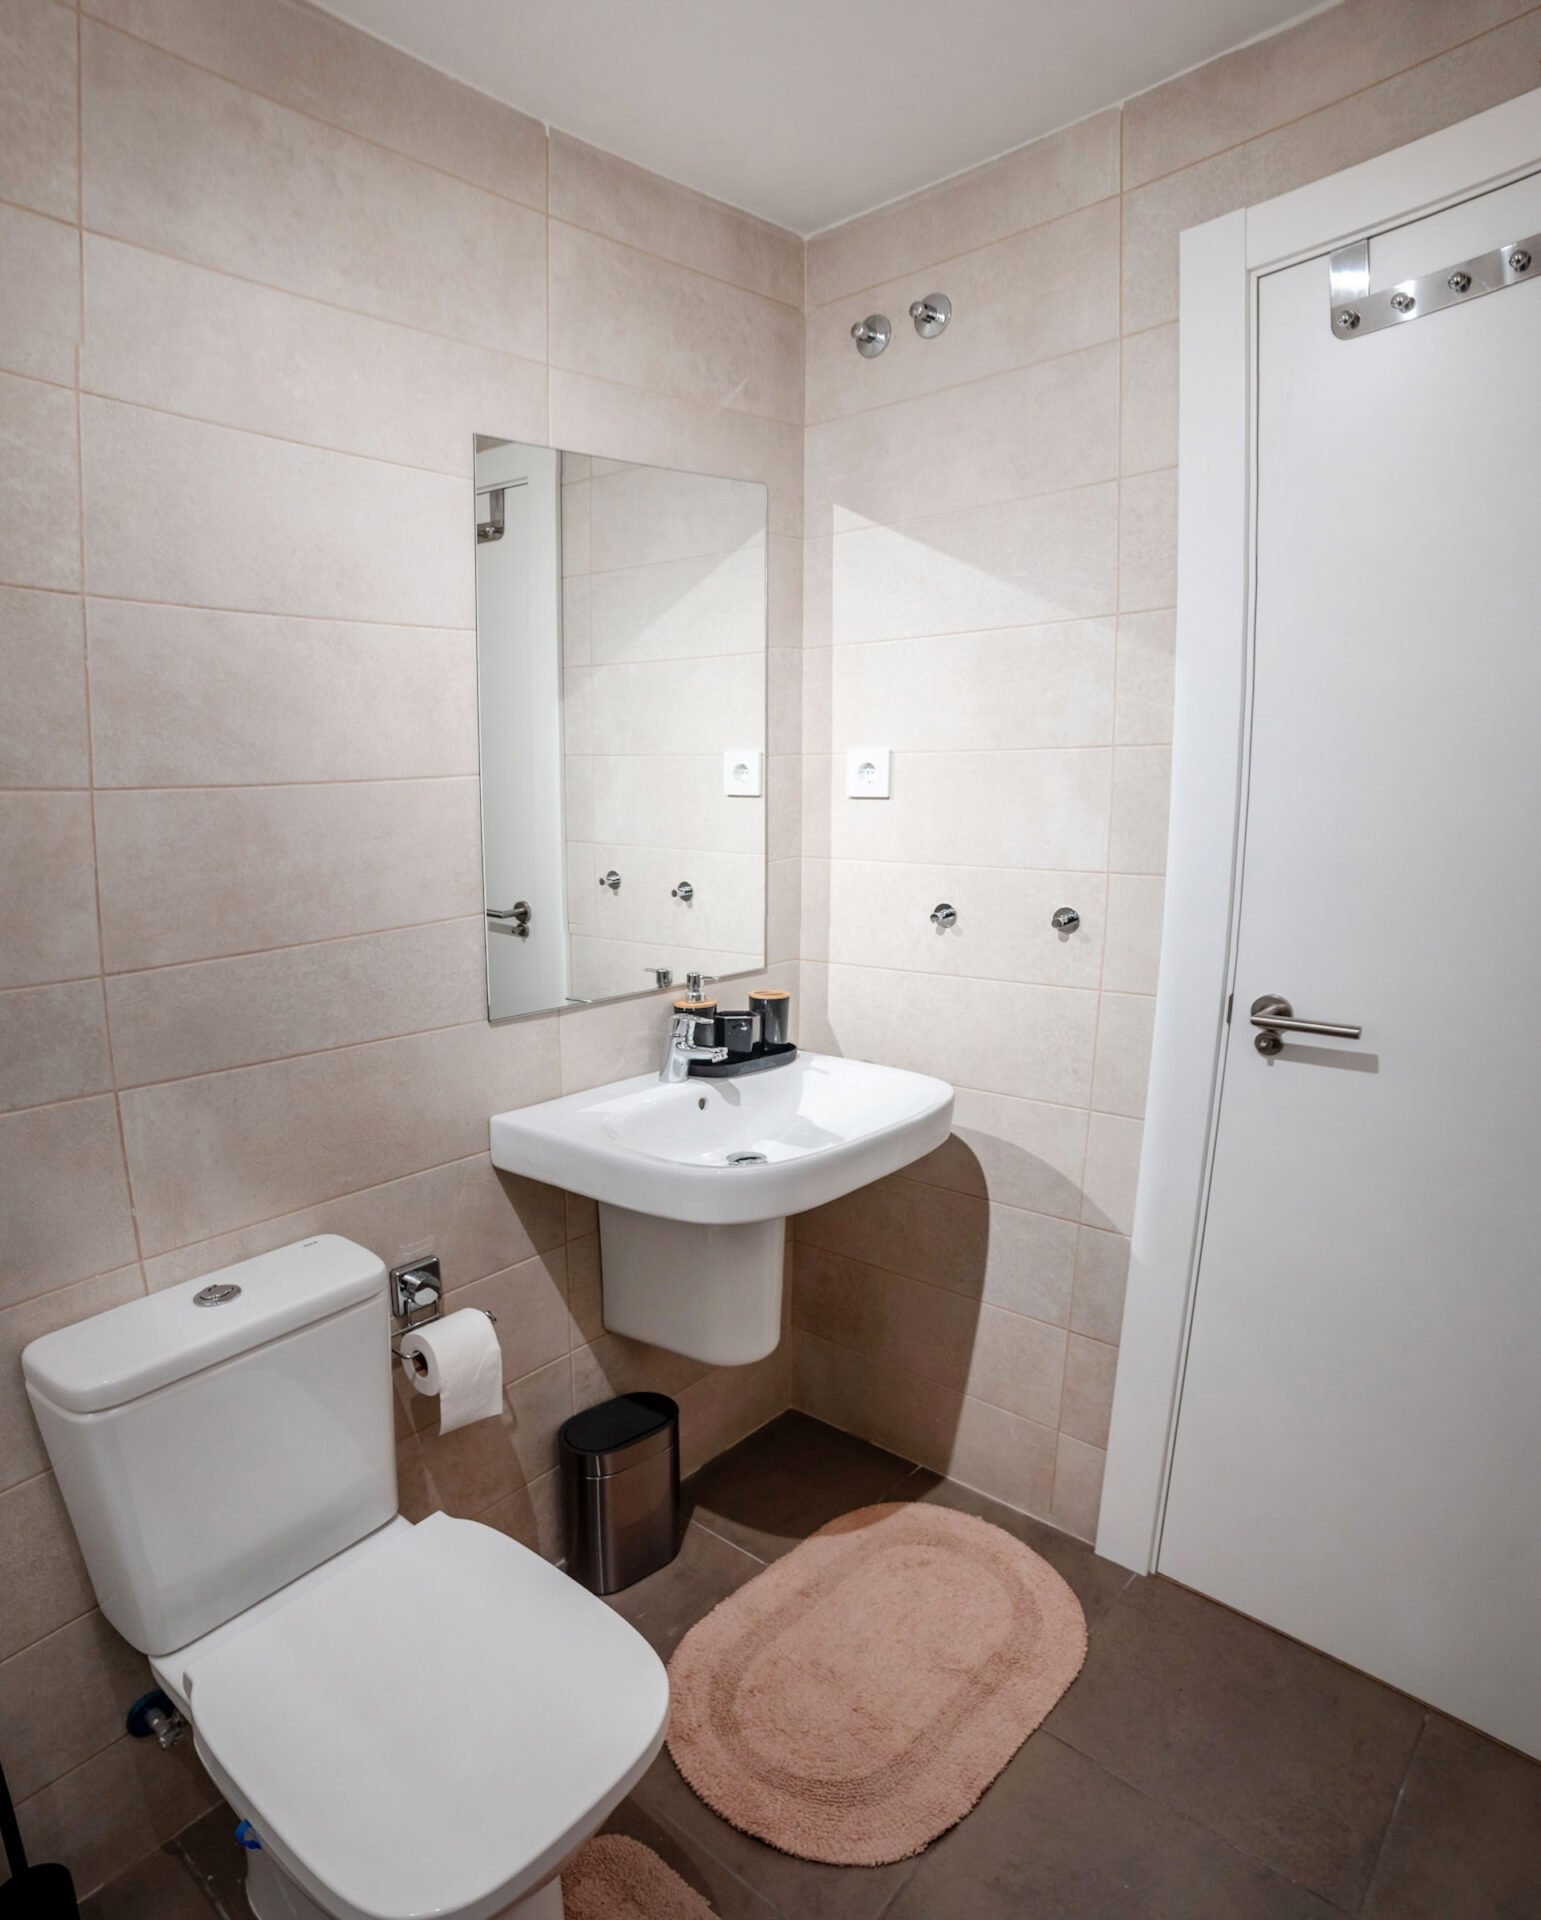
pixel 1358 1448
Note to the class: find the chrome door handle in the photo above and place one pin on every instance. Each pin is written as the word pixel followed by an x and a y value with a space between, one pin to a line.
pixel 519 913
pixel 1276 1017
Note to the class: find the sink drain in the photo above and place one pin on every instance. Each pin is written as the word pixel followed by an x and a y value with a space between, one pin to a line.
pixel 746 1159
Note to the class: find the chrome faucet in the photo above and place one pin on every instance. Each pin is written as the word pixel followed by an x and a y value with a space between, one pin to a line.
pixel 683 1044
pixel 682 1048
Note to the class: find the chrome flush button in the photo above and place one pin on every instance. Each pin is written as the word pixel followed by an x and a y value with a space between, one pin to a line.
pixel 216 1296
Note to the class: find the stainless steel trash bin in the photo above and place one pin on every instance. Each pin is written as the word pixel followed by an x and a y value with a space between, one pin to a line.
pixel 621 1489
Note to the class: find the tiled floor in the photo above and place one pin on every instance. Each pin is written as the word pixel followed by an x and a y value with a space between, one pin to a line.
pixel 1201 1767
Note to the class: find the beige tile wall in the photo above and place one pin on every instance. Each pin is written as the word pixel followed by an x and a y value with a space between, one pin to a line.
pixel 991 571
pixel 249 322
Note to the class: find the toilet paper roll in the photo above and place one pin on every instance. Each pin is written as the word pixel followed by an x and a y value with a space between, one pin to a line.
pixel 464 1367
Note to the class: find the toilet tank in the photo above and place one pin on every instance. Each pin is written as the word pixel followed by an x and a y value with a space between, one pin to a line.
pixel 216 1440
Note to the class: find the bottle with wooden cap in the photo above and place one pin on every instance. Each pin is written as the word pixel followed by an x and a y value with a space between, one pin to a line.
pixel 695 1000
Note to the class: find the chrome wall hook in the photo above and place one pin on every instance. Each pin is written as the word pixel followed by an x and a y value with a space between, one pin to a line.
pixel 1355 312
pixel 943 916
pixel 931 315
pixel 684 891
pixel 872 335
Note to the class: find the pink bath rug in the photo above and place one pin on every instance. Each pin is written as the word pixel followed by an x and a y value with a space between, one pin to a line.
pixel 613 1878
pixel 855 1699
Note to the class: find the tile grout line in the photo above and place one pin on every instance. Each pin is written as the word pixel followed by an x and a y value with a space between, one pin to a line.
pixel 686 1844
pixel 696 1521
pixel 1125 187
pixel 256 953
pixel 62 1626
pixel 284 786
pixel 871 287
pixel 158 408
pixel 954 1293
pixel 543 213
pixel 669 260
pixel 255 613
pixel 176 1847
pixel 295 293
pixel 124 1162
pixel 1391 1818
pixel 335 126
pixel 243 613
pixel 1171 1810
pixel 1012 370
pixel 1107 857
pixel 313 1206
pixel 1114 613
pixel 1027 1420
pixel 1338 100
pixel 717 407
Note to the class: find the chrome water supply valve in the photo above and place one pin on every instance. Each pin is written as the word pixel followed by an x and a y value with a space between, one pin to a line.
pixel 153 1717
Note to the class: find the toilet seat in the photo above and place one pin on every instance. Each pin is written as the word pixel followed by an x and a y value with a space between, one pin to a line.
pixel 430 1724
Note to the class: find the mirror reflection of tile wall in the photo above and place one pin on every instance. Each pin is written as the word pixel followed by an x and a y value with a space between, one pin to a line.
pixel 663 634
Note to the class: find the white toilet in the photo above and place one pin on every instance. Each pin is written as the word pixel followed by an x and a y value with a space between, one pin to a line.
pixel 416 1720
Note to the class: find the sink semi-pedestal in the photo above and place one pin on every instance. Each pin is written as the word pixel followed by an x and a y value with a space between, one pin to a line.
pixel 695 1180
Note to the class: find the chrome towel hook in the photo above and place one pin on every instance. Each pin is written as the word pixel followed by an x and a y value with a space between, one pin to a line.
pixel 931 315
pixel 872 335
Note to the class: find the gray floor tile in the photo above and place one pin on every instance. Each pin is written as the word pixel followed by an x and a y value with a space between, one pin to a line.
pixel 1283 1752
pixel 1465 1841
pixel 158 1888
pixel 799 1889
pixel 665 1605
pixel 1096 1583
pixel 1057 1838
pixel 784 1482
pixel 729 1898
pixel 216 1861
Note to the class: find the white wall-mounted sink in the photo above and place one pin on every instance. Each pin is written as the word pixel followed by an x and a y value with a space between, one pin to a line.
pixel 695 1179
pixel 825 1126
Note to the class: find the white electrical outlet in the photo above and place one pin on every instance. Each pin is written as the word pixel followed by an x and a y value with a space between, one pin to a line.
pixel 742 772
pixel 868 773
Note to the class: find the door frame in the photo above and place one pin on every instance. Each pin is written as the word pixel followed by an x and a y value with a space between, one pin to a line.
pixel 1221 263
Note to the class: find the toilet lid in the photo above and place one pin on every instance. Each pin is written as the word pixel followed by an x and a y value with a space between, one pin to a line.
pixel 432 1730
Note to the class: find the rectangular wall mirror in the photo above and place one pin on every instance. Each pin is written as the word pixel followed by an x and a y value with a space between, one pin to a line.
pixel 620 644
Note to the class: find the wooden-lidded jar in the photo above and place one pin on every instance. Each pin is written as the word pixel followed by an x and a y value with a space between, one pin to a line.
pixel 774 1006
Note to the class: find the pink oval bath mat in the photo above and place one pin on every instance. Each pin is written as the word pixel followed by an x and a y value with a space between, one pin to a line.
pixel 614 1878
pixel 855 1699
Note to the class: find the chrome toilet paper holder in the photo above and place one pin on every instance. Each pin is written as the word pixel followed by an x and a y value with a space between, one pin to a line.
pixel 417 1298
